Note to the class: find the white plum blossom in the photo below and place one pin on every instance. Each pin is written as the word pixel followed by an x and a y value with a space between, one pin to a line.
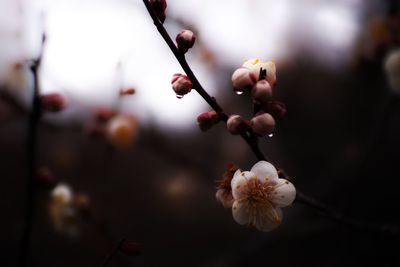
pixel 259 195
pixel 255 65
pixel 392 68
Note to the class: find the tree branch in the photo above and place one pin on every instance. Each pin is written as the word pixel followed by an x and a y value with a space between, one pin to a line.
pixel 252 140
pixel 34 117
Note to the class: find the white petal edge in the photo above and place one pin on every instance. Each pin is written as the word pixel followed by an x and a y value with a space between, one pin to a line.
pixel 265 171
pixel 284 193
pixel 241 212
pixel 269 218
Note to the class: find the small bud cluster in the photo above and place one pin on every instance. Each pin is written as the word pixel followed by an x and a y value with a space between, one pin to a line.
pixel 258 78
pixel 181 84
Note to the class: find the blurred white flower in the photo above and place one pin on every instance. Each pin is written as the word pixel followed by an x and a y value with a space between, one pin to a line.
pixel 61 210
pixel 66 209
pixel 122 130
pixel 259 195
pixel 392 68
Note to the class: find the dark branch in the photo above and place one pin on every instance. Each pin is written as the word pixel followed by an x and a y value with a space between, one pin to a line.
pixel 252 140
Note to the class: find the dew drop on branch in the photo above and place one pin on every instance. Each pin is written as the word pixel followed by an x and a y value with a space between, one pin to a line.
pixel 238 92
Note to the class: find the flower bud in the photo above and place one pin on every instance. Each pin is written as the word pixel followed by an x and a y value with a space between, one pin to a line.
pixel 262 124
pixel 122 130
pixel 54 102
pixel 257 67
pixel 243 79
pixel 104 114
pixel 236 124
pixel 206 120
pixel 131 248
pixel 127 91
pixel 159 7
pixel 276 108
pixel 261 91
pixel 185 40
pixel 181 84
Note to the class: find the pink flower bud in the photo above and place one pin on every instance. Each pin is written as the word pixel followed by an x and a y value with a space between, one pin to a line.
pixel 185 40
pixel 276 108
pixel 181 84
pixel 243 79
pixel 104 114
pixel 52 102
pixel 206 120
pixel 261 91
pixel 236 124
pixel 127 91
pixel 159 7
pixel 262 124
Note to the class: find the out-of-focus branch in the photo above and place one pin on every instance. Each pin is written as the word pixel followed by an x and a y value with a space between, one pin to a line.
pixel 33 122
pixel 252 140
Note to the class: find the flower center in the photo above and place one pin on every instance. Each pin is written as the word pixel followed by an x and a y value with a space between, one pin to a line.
pixel 257 191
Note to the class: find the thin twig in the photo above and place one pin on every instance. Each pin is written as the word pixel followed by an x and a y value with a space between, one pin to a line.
pixel 252 140
pixel 113 252
pixel 34 117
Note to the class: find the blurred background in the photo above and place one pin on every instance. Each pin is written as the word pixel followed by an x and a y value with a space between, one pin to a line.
pixel 155 185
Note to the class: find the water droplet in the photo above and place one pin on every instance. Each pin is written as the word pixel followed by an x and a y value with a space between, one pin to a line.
pixel 179 96
pixel 238 92
pixel 271 135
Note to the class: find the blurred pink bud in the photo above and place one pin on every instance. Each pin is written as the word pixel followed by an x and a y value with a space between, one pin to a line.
pixel 262 124
pixel 159 7
pixel 181 84
pixel 52 102
pixel 276 108
pixel 185 40
pixel 236 124
pixel 46 177
pixel 206 120
pixel 131 248
pixel 261 91
pixel 127 91
pixel 243 79
pixel 104 114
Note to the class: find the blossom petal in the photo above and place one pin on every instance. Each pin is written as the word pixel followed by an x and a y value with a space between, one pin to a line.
pixel 284 193
pixel 268 217
pixel 239 184
pixel 241 211
pixel 263 216
pixel 225 197
pixel 265 172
